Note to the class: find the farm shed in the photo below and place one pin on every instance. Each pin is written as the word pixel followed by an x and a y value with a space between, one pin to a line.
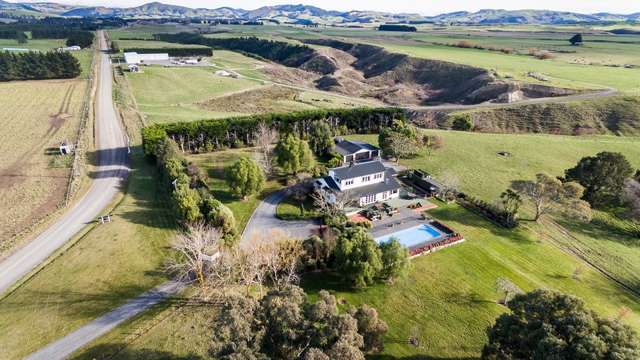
pixel 135 58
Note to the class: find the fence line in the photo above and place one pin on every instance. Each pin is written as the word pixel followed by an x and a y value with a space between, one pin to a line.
pixel 85 114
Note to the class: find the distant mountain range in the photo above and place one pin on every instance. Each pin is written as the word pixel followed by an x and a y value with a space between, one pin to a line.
pixel 307 14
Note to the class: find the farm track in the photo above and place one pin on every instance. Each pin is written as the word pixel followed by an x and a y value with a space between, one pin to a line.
pixel 578 253
pixel 112 169
pixel 453 107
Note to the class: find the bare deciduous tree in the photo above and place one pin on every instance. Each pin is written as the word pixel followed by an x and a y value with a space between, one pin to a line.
pixel 632 196
pixel 265 138
pixel 331 204
pixel 197 248
pixel 508 288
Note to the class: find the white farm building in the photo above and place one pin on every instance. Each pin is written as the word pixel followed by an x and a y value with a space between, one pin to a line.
pixel 133 58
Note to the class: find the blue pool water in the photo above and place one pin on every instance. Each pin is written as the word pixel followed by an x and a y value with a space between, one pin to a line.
pixel 414 236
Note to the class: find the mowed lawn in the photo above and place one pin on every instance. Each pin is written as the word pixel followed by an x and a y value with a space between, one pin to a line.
pixel 36 117
pixel 106 266
pixel 450 298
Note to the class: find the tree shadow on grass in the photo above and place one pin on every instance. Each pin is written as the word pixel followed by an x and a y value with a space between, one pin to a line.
pixel 76 305
pixel 148 202
pixel 121 351
pixel 458 214
pixel 600 229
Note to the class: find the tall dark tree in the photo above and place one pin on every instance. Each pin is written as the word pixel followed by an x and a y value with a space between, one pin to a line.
pixel 38 66
pixel 576 40
pixel 83 39
pixel 358 258
pixel 603 176
pixel 321 138
pixel 284 324
pixel 548 325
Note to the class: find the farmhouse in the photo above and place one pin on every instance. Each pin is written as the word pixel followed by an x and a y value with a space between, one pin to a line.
pixel 356 151
pixel 136 59
pixel 362 177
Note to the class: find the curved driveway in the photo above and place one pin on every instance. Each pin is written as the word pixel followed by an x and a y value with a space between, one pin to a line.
pixel 264 220
pixel 112 155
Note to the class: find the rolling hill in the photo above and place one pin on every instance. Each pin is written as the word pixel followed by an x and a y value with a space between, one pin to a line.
pixel 311 14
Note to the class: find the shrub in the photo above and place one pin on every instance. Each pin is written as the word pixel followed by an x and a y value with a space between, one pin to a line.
pixel 492 212
pixel 462 122
pixel 245 178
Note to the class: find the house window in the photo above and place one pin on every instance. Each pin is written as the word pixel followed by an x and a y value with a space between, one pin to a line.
pixel 377 176
pixel 395 191
pixel 348 182
pixel 371 198
pixel 366 178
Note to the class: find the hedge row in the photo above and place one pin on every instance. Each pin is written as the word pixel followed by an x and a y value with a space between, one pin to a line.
pixel 208 135
pixel 492 212
pixel 279 51
pixel 190 196
pixel 174 52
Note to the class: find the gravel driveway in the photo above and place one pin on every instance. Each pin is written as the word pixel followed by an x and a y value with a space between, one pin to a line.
pixel 264 220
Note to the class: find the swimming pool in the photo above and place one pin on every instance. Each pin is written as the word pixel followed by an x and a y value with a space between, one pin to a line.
pixel 417 235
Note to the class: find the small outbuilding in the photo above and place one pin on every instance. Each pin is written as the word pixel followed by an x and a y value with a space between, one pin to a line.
pixel 65 148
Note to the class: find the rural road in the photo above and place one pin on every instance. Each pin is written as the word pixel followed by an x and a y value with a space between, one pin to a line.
pixel 108 177
pixel 67 345
pixel 264 220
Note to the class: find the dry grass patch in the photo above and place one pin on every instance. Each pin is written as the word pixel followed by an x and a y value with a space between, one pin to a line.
pixel 36 116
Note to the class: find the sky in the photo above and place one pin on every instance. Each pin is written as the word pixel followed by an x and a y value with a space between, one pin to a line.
pixel 424 7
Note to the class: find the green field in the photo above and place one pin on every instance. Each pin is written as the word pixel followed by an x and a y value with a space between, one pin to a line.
pixel 192 93
pixel 572 69
pixel 102 269
pixel 84 56
pixel 449 297
pixel 474 159
pixel 172 94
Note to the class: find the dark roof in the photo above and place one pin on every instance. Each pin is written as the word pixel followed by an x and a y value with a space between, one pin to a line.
pixel 360 169
pixel 349 147
pixel 390 183
pixel 331 183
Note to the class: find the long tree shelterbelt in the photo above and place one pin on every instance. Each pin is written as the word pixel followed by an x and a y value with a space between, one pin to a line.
pixel 38 66
pixel 208 135
pixel 279 51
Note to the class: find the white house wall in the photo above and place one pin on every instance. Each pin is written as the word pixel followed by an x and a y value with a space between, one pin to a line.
pixel 380 197
pixel 358 182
